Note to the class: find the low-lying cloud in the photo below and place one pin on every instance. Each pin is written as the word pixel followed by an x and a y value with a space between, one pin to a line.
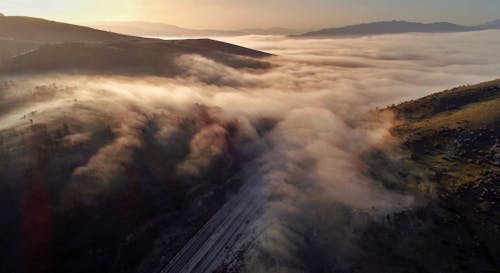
pixel 305 123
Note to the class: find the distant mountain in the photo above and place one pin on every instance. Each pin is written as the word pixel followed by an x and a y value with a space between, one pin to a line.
pixel 32 45
pixel 388 27
pixel 491 25
pixel 150 29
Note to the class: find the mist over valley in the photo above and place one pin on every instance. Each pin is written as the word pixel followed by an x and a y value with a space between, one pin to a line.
pixel 250 153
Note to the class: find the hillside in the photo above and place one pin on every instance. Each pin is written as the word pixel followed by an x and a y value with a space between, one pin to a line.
pixel 454 136
pixel 388 27
pixel 29 45
pixel 452 101
pixel 40 30
pixel 128 57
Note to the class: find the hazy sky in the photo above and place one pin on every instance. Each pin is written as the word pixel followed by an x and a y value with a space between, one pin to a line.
pixel 257 13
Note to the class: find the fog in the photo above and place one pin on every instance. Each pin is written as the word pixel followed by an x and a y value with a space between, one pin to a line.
pixel 305 125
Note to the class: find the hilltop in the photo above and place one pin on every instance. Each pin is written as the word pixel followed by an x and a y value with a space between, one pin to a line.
pixel 31 29
pixel 29 45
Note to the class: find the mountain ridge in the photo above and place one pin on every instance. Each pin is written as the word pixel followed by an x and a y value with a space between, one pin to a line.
pixel 28 45
pixel 47 31
pixel 491 25
pixel 395 27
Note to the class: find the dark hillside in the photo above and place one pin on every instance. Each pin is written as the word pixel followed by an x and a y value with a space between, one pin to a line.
pixel 9 48
pixel 129 57
pixel 40 30
pixel 32 45
pixel 454 135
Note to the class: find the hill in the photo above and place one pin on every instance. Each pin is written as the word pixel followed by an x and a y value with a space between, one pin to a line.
pixel 491 25
pixel 40 30
pixel 30 45
pixel 154 57
pixel 20 34
pixel 447 102
pixel 388 27
pixel 454 135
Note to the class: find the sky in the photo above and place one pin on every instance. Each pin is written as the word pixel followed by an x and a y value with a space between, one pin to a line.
pixel 233 14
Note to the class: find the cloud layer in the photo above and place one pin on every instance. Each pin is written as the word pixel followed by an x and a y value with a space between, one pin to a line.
pixel 305 124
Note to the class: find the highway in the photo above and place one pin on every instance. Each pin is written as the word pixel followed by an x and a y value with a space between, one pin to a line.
pixel 208 247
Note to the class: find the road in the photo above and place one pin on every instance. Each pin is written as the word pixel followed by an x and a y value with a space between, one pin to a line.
pixel 206 250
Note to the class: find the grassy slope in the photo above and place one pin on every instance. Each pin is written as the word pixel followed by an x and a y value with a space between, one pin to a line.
pixel 455 135
pixel 453 130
